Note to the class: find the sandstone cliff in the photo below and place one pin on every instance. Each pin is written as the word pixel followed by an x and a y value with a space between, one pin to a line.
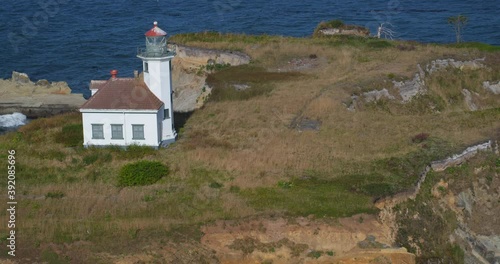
pixel 190 69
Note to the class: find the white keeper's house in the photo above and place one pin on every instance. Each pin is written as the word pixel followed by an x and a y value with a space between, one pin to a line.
pixel 128 111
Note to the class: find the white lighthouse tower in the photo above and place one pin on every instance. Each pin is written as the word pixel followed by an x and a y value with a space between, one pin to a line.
pixel 156 60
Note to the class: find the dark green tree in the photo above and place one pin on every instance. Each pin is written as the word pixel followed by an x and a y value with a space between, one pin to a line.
pixel 458 23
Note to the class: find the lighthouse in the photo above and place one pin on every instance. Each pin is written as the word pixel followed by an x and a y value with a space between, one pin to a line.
pixel 130 111
pixel 157 70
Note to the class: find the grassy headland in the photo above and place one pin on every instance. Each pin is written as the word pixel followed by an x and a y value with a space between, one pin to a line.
pixel 238 156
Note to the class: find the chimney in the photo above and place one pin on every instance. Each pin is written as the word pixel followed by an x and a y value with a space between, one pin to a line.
pixel 113 74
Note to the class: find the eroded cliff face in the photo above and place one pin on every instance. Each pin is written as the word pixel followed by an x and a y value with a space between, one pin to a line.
pixel 356 239
pixel 189 72
pixel 454 218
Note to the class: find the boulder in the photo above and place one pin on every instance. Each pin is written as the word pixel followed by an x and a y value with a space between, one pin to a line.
pixel 376 95
pixel 468 100
pixel 20 77
pixel 42 82
pixel 492 87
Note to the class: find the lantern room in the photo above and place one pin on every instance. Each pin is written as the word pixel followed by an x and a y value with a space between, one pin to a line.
pixel 156 43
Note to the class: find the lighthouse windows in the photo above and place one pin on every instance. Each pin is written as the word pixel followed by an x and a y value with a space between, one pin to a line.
pixel 166 114
pixel 146 68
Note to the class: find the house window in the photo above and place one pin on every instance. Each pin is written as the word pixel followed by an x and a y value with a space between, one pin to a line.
pixel 166 114
pixel 137 131
pixel 146 68
pixel 97 131
pixel 116 131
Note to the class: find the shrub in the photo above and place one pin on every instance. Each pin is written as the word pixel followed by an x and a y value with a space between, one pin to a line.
pixel 315 254
pixel 419 138
pixel 70 135
pixel 55 195
pixel 215 185
pixel 142 173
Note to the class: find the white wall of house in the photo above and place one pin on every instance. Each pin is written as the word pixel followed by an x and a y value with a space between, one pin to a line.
pixel 126 118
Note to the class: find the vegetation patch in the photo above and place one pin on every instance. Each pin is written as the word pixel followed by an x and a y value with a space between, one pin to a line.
pixel 476 45
pixel 70 135
pixel 131 152
pixel 55 195
pixel 248 245
pixel 142 173
pixel 50 256
pixel 213 36
pixel 337 24
pixel 315 254
pixel 419 138
pixel 258 80
pixel 423 228
pixel 323 198
pixel 355 41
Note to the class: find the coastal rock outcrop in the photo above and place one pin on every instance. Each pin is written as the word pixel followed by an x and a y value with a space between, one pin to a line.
pixel 190 70
pixel 40 99
pixel 492 87
pixel 409 89
pixel 337 27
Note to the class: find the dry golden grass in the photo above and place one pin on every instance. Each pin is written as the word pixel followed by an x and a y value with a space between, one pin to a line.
pixel 238 144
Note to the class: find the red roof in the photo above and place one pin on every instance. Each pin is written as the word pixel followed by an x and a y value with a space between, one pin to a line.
pixel 155 31
pixel 123 93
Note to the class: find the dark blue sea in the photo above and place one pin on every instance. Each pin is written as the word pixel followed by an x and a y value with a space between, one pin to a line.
pixel 76 41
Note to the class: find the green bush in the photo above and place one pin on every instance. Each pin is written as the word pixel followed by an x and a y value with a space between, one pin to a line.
pixel 215 185
pixel 70 135
pixel 142 173
pixel 55 195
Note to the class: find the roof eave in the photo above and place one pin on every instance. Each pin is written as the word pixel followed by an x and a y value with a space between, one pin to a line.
pixel 95 110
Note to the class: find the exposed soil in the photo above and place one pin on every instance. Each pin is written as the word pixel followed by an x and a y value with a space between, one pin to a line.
pixel 301 240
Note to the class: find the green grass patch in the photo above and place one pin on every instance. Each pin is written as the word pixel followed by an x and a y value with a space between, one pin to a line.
pixel 476 45
pixel 55 195
pixel 321 198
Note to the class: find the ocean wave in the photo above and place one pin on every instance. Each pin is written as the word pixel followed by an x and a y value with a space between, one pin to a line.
pixel 12 120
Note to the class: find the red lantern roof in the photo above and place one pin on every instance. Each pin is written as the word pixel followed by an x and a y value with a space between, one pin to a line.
pixel 155 31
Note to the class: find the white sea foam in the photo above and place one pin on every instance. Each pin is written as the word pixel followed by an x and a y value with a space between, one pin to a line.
pixel 12 120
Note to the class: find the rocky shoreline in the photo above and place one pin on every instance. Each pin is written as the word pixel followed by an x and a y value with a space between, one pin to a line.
pixel 36 99
pixel 43 98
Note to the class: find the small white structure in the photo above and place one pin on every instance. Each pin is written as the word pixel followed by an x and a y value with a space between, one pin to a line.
pixel 127 111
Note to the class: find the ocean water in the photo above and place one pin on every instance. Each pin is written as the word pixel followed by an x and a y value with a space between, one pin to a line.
pixel 11 122
pixel 76 41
